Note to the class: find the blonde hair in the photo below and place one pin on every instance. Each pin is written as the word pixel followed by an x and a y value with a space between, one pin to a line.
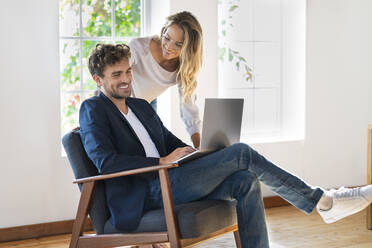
pixel 191 56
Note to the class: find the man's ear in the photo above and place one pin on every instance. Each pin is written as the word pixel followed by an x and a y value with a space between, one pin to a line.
pixel 98 80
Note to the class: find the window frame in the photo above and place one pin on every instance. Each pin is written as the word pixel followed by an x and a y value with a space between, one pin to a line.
pixel 287 121
pixel 145 13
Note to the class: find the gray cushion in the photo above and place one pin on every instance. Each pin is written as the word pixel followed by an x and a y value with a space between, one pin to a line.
pixel 195 219
pixel 82 166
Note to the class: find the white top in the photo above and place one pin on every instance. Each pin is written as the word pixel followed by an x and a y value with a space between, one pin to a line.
pixel 143 135
pixel 150 80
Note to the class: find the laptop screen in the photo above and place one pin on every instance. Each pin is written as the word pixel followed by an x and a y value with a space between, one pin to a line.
pixel 222 122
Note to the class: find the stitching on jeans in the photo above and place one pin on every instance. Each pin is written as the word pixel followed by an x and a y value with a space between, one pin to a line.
pixel 312 200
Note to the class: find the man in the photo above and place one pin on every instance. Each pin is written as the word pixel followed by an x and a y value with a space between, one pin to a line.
pixel 122 133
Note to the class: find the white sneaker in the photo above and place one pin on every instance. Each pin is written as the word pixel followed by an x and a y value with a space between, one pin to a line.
pixel 346 202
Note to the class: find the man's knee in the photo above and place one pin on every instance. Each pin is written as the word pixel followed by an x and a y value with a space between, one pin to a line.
pixel 245 182
pixel 241 147
pixel 241 151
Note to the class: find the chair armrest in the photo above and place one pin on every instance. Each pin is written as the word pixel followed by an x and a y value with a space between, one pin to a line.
pixel 169 212
pixel 125 173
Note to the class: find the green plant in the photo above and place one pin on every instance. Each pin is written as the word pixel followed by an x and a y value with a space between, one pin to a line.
pixel 98 25
pixel 227 53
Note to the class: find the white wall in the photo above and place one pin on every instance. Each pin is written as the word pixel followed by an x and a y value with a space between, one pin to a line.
pixel 338 96
pixel 36 182
pixel 293 68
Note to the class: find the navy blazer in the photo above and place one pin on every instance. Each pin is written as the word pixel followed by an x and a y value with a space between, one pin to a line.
pixel 113 146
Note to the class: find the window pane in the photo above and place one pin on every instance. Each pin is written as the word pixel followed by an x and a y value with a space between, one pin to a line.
pixel 86 95
pixel 128 18
pixel 88 46
pixel 70 111
pixel 75 46
pixel 89 83
pixel 69 17
pixel 96 17
pixel 70 65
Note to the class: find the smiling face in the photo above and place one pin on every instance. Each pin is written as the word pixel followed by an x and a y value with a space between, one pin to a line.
pixel 116 81
pixel 172 42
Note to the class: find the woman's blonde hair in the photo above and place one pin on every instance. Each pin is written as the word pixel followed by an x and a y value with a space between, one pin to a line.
pixel 191 56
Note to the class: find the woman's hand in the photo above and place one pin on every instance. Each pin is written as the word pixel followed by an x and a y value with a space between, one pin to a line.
pixel 176 154
pixel 196 140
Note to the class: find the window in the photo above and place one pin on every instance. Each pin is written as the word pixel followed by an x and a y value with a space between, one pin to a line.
pixel 262 59
pixel 83 24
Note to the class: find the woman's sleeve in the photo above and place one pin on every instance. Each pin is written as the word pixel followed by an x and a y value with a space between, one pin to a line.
pixel 133 45
pixel 190 114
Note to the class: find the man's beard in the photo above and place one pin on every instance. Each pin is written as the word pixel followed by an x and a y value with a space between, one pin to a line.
pixel 114 94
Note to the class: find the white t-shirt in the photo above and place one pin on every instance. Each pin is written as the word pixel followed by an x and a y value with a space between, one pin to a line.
pixel 150 80
pixel 143 135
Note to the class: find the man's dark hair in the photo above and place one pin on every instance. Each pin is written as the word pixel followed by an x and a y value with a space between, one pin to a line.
pixel 106 54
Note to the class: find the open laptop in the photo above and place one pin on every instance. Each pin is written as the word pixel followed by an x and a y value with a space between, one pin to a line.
pixel 221 126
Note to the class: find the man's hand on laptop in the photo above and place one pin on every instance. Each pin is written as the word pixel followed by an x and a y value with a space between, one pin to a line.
pixel 176 154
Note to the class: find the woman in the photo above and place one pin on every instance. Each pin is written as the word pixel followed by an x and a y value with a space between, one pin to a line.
pixel 174 58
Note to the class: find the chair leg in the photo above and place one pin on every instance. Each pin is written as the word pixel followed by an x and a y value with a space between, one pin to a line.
pixel 170 215
pixel 82 213
pixel 237 239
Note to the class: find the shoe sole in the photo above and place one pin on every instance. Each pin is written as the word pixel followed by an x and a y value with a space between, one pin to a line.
pixel 342 215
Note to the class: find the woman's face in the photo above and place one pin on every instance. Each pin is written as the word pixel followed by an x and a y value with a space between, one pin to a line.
pixel 172 42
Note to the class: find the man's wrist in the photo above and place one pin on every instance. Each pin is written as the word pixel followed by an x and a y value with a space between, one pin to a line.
pixel 161 160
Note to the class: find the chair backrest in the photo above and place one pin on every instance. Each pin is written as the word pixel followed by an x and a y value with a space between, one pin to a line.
pixel 82 166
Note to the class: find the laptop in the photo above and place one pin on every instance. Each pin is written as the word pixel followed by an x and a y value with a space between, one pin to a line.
pixel 221 126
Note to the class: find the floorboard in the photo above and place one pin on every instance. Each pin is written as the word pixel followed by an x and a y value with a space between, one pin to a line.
pixel 288 228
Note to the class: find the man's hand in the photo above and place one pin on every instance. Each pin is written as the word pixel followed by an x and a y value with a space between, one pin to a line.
pixel 176 154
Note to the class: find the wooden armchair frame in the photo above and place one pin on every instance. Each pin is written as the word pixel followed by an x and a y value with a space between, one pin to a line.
pixel 172 235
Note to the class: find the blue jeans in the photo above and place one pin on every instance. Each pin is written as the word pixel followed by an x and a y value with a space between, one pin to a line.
pixel 235 173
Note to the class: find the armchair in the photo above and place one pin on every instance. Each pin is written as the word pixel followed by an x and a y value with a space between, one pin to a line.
pixel 182 226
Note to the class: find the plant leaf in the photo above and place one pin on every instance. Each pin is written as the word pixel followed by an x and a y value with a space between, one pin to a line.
pixel 221 53
pixel 232 8
pixel 242 59
pixel 230 55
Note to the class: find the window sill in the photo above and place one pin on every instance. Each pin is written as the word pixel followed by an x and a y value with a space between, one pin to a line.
pixel 269 138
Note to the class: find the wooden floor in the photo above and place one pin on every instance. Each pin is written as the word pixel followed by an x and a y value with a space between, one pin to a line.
pixel 287 226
